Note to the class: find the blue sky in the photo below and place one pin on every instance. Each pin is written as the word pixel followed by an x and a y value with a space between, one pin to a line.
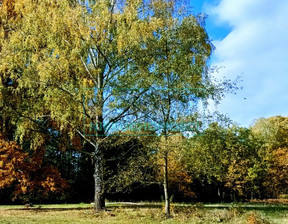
pixel 251 40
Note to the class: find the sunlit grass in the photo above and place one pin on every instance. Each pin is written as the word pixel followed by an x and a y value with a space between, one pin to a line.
pixel 145 213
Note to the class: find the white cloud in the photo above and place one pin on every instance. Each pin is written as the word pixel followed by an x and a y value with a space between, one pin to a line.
pixel 256 49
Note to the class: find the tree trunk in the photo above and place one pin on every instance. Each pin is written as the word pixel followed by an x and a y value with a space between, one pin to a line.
pixel 165 183
pixel 99 198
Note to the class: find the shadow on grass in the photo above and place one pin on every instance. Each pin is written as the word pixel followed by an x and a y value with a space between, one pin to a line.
pixel 47 209
pixel 132 205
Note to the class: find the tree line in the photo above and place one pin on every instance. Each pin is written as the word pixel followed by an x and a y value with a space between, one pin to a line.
pixel 221 164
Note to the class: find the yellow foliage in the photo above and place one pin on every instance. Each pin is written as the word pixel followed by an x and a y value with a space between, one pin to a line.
pixel 178 175
pixel 87 83
pixel 24 189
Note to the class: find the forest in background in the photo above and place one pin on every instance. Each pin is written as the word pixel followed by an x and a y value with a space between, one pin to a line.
pixel 222 164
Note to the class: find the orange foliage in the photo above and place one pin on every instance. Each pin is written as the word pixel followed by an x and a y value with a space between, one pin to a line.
pixel 27 172
pixel 178 176
pixel 277 176
pixel 8 6
pixel 76 142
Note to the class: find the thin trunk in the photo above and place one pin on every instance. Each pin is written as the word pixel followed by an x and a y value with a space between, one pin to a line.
pixel 99 198
pixel 165 183
pixel 165 173
pixel 252 195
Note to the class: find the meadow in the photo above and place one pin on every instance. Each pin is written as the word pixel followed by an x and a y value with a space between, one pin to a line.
pixel 146 213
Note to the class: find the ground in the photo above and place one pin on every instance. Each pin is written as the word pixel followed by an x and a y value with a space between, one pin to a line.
pixel 146 213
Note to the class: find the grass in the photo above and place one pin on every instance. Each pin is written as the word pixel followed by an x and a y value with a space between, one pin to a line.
pixel 146 213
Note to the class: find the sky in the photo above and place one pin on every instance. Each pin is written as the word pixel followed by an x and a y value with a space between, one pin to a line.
pixel 251 40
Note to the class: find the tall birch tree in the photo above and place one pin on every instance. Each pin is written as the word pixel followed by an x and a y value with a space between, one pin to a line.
pixel 78 60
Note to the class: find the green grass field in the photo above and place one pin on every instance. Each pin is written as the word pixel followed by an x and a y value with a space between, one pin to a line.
pixel 145 213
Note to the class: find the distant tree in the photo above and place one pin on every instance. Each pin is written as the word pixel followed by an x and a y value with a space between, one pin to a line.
pixel 230 158
pixel 246 171
pixel 272 131
pixel 208 158
pixel 276 180
pixel 177 169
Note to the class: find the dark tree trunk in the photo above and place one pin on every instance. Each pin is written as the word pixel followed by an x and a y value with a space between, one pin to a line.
pixel 99 198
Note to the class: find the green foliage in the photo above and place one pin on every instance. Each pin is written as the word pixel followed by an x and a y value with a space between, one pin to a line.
pixel 228 158
pixel 129 163
pixel 272 131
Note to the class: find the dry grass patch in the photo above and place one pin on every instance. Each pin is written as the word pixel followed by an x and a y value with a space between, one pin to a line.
pixel 197 214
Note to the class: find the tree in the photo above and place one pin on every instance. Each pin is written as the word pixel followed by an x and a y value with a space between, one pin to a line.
pixel 65 50
pixel 177 169
pixel 208 159
pixel 272 131
pixel 273 134
pixel 26 172
pixel 230 159
pixel 243 150
pixel 129 162
pixel 277 173
pixel 181 49
pixel 7 12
